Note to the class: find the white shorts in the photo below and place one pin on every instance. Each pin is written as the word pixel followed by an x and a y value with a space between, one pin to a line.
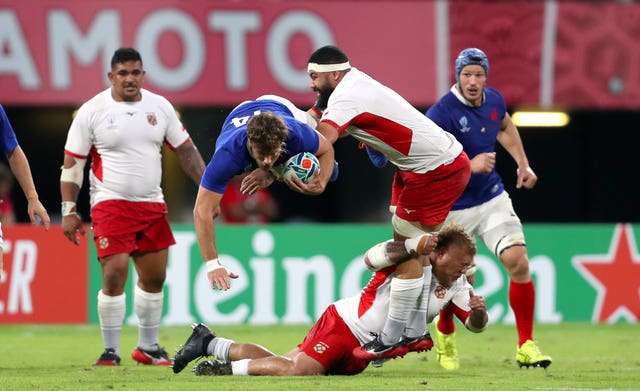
pixel 490 221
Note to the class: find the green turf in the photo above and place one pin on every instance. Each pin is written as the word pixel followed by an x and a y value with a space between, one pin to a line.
pixel 585 357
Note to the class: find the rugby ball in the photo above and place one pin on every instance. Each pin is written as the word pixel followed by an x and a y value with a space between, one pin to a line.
pixel 303 165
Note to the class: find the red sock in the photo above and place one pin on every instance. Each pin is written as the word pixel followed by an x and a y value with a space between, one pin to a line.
pixel 445 324
pixel 522 299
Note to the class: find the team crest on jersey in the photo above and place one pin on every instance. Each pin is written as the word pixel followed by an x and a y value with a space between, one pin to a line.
pixel 320 347
pixel 440 291
pixel 152 119
pixel 104 243
pixel 464 123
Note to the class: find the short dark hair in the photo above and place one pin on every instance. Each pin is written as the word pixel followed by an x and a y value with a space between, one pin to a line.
pixel 125 54
pixel 328 54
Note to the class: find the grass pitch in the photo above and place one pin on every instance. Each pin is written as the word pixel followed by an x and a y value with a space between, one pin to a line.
pixel 585 357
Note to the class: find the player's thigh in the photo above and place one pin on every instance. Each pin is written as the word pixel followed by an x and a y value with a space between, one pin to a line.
pixel 499 226
pixel 428 197
pixel 468 218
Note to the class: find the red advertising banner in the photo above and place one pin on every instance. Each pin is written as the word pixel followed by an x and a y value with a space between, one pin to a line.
pixel 218 53
pixel 45 276
pixel 542 53
pixel 209 52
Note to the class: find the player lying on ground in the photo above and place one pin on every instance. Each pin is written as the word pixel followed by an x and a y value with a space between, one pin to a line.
pixel 349 323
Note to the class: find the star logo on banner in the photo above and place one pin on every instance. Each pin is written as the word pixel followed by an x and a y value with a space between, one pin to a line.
pixel 615 276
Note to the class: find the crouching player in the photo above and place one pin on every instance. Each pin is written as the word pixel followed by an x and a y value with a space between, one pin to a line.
pixel 350 323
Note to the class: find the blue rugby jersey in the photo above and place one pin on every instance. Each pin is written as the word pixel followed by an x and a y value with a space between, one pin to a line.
pixel 476 128
pixel 8 139
pixel 232 157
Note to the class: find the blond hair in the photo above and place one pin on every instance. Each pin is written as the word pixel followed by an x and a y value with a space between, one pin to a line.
pixel 454 234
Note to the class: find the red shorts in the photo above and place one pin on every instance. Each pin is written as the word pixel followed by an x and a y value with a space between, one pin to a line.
pixel 428 197
pixel 125 227
pixel 331 343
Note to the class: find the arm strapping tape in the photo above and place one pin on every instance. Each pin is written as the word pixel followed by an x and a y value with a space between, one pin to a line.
pixel 74 174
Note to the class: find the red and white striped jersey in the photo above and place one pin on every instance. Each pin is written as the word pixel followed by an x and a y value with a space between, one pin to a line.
pixel 124 140
pixel 385 121
pixel 367 312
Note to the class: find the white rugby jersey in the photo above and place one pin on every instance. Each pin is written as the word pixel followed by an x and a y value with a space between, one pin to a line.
pixel 124 140
pixel 382 119
pixel 367 312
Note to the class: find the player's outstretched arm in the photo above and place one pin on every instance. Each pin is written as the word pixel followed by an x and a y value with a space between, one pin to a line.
pixel 206 208
pixel 22 171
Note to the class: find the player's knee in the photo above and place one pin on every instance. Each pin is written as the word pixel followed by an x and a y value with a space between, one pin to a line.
pixel 304 366
pixel 516 262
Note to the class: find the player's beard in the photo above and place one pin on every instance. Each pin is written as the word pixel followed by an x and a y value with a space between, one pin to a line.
pixel 323 98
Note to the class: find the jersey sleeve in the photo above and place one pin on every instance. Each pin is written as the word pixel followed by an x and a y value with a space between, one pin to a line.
pixel 461 296
pixel 8 139
pixel 302 138
pixel 176 133
pixel 221 169
pixel 78 141
pixel 341 110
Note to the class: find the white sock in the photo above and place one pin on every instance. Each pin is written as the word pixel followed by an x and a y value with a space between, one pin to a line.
pixel 148 308
pixel 219 348
pixel 240 367
pixel 403 300
pixel 417 324
pixel 111 311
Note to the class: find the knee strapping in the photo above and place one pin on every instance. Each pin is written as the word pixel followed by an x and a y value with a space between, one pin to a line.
pixel 511 240
pixel 405 228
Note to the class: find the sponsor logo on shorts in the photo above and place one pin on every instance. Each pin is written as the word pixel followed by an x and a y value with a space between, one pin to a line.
pixel 440 291
pixel 321 347
pixel 104 243
pixel 409 211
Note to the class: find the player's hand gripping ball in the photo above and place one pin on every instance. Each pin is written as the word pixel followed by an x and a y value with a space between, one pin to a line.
pixel 303 165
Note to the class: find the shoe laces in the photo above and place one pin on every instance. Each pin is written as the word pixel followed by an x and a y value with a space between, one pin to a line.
pixel 375 342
